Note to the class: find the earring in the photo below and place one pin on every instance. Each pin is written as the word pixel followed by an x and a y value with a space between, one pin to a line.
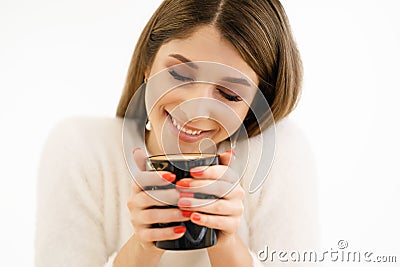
pixel 145 80
pixel 234 138
pixel 148 126
pixel 233 144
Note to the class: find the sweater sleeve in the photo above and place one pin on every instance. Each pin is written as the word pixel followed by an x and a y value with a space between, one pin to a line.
pixel 283 213
pixel 69 215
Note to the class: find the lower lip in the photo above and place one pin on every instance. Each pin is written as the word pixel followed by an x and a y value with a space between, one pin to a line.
pixel 184 136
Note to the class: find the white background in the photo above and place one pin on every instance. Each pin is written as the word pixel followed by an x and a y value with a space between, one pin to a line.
pixel 64 58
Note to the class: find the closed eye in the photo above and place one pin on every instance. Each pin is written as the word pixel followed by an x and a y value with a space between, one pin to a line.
pixel 179 77
pixel 230 97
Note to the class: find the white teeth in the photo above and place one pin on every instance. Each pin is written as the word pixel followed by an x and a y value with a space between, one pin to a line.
pixel 183 129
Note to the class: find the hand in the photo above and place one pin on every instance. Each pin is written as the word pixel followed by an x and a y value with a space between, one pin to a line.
pixel 224 213
pixel 146 209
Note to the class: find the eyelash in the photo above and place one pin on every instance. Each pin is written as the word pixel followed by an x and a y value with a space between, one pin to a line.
pixel 227 96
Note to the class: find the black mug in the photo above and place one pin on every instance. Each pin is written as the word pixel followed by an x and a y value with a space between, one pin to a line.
pixel 196 236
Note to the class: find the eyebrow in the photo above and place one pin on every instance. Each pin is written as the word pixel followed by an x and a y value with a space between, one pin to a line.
pixel 194 66
pixel 184 60
pixel 236 80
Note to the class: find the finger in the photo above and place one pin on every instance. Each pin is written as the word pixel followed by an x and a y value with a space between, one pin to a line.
pixel 227 224
pixel 227 157
pixel 147 199
pixel 212 206
pixel 203 188
pixel 140 158
pixel 220 172
pixel 160 234
pixel 151 216
pixel 150 178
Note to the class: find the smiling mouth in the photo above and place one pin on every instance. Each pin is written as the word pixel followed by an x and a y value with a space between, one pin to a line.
pixel 186 130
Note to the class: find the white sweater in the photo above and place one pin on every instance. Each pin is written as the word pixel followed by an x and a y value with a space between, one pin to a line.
pixel 84 184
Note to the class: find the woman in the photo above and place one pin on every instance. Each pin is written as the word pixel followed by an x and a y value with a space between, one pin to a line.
pixel 90 214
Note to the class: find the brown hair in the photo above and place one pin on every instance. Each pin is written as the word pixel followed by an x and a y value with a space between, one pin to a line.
pixel 258 29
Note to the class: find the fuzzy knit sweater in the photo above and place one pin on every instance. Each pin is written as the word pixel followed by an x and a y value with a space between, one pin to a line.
pixel 82 219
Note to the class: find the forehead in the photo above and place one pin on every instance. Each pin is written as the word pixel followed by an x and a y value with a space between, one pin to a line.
pixel 204 44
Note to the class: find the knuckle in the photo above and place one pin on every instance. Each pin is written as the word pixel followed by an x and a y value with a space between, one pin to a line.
pixel 148 216
pixel 219 206
pixel 241 208
pixel 224 171
pixel 233 226
pixel 134 187
pixel 135 220
pixel 236 222
pixel 174 214
pixel 241 192
pixel 218 224
pixel 130 204
pixel 149 235
pixel 146 235
pixel 141 198
pixel 140 234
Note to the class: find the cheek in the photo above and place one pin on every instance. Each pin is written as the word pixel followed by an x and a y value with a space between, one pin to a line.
pixel 165 102
pixel 230 122
pixel 241 111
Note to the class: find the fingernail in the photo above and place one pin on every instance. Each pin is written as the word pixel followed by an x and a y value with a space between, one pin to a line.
pixel 186 213
pixel 184 203
pixel 183 183
pixel 179 229
pixel 231 152
pixel 186 194
pixel 169 177
pixel 196 217
pixel 135 149
pixel 195 172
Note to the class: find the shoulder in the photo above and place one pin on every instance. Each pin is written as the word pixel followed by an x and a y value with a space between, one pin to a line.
pixel 291 139
pixel 293 151
pixel 286 134
pixel 75 127
pixel 287 138
pixel 82 151
pixel 83 139
pixel 85 131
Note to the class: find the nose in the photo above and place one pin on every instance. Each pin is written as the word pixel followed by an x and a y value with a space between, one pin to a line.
pixel 198 101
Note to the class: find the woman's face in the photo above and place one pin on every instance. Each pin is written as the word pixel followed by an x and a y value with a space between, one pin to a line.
pixel 181 118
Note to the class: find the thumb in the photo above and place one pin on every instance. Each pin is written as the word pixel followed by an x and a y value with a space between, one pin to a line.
pixel 227 157
pixel 140 158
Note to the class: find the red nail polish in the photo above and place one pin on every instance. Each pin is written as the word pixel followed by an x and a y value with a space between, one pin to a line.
pixel 196 217
pixel 186 213
pixel 179 229
pixel 183 183
pixel 196 173
pixel 169 177
pixel 186 194
pixel 231 152
pixel 184 203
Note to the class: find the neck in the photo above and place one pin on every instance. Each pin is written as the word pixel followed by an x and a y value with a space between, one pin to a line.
pixel 152 146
